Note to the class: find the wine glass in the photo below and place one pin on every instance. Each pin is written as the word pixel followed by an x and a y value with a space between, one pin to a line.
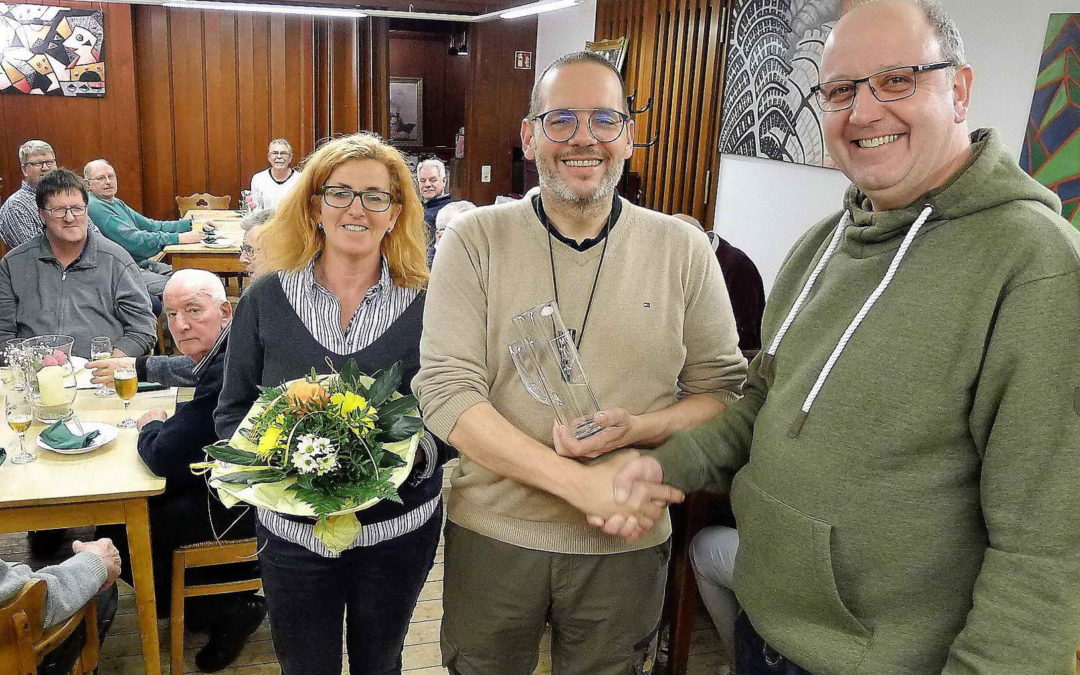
pixel 19 418
pixel 101 348
pixel 126 383
pixel 11 361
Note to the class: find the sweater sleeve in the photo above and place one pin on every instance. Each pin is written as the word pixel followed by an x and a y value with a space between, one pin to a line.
pixel 139 243
pixel 1025 614
pixel 8 303
pixel 243 366
pixel 714 364
pixel 151 225
pixel 453 356
pixel 71 584
pixel 134 311
pixel 171 371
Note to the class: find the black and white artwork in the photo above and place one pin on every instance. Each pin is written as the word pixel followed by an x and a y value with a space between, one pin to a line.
pixel 773 60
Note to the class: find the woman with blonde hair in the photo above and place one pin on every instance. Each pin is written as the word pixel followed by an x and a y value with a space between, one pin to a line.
pixel 342 265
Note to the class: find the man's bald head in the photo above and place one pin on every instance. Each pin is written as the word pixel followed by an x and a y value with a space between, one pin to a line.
pixel 100 177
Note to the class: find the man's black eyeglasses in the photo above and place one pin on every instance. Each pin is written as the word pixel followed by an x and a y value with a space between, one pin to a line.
pixel 887 86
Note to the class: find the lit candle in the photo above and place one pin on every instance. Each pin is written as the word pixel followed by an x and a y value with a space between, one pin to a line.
pixel 51 386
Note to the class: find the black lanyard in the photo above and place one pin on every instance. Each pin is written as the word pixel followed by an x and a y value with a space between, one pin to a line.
pixel 574 335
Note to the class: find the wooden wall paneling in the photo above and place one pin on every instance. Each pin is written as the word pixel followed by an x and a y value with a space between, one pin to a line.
pixel 345 76
pixel 156 113
pixel 711 95
pixel 222 118
pixel 302 86
pixel 376 82
pixel 81 129
pixel 323 67
pixel 187 49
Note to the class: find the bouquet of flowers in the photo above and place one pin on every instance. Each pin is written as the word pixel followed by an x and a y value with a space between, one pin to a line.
pixel 325 446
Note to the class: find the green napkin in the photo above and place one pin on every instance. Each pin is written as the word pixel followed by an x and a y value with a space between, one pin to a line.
pixel 58 436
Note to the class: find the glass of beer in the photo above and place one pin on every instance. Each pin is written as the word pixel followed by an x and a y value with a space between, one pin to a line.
pixel 100 349
pixel 126 384
pixel 19 418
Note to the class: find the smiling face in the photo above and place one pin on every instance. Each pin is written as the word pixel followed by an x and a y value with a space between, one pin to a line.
pixel 280 156
pixel 431 183
pixel 895 152
pixel 354 231
pixel 581 171
pixel 102 181
pixel 68 229
pixel 195 320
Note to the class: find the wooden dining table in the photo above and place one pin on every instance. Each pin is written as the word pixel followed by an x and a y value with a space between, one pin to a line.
pixel 218 260
pixel 109 485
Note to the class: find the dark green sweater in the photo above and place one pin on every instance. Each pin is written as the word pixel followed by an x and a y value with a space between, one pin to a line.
pixel 925 518
pixel 140 236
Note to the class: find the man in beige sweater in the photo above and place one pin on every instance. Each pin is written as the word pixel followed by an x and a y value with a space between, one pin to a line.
pixel 647 306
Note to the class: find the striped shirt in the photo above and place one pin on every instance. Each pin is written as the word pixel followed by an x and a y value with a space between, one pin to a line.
pixel 19 218
pixel 320 312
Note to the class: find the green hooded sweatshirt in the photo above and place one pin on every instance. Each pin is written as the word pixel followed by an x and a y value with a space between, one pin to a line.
pixel 915 507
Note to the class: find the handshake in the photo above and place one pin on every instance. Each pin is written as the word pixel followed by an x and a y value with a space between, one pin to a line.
pixel 623 494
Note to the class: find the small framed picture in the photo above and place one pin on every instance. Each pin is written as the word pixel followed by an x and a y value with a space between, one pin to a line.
pixel 407 110
pixel 613 51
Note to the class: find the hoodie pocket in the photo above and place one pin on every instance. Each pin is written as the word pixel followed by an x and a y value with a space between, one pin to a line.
pixel 784 578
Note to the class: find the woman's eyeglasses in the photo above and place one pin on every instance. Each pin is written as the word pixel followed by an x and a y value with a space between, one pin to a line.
pixel 337 197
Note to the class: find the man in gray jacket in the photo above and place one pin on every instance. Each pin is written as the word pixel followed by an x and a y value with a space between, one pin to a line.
pixel 72 282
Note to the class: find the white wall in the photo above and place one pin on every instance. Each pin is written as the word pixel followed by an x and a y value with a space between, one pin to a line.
pixel 763 206
pixel 563 31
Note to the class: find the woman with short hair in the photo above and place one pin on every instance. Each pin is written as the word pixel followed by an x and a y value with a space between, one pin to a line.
pixel 342 267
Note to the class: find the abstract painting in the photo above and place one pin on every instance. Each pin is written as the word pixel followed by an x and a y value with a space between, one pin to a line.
pixel 1051 152
pixel 773 60
pixel 52 51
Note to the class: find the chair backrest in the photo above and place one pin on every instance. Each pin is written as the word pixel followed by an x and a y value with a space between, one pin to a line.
pixel 202 200
pixel 24 641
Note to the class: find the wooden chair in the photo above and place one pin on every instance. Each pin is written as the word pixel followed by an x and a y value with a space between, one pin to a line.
pixel 202 200
pixel 23 642
pixel 204 554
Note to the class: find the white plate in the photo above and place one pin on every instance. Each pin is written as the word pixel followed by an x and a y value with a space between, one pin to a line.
pixel 107 434
pixel 220 243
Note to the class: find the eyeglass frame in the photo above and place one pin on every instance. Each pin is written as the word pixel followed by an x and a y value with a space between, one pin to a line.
pixel 915 70
pixel 577 123
pixel 40 164
pixel 105 177
pixel 64 210
pixel 357 193
pixel 282 153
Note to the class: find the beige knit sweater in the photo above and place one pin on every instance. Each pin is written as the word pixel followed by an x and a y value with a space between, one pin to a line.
pixel 660 327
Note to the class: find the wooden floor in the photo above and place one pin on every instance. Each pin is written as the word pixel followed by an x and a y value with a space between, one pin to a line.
pixel 122 652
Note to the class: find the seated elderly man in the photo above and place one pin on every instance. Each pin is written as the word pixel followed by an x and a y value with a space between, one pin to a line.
pixel 140 236
pixel 198 314
pixel 70 585
pixel 71 281
pixel 19 219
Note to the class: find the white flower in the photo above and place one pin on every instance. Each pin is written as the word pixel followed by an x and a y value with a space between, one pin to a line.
pixel 315 454
pixel 304 462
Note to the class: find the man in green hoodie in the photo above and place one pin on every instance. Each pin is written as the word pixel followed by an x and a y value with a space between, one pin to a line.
pixel 904 462
pixel 140 236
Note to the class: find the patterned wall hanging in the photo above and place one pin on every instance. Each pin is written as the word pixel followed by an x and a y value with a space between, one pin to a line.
pixel 52 51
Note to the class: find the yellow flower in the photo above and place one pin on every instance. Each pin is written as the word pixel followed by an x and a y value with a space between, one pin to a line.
pixel 348 402
pixel 269 441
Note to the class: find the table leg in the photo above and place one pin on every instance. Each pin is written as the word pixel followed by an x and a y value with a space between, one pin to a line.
pixel 142 573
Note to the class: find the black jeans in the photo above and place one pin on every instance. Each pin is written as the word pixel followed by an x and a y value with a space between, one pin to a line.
pixel 373 587
pixel 753 656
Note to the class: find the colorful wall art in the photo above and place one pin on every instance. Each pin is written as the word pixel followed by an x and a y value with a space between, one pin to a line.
pixel 52 51
pixel 1051 152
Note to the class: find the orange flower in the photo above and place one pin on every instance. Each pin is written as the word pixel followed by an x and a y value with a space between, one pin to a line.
pixel 306 395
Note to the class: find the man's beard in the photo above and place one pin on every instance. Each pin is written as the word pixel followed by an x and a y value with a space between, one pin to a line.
pixel 550 179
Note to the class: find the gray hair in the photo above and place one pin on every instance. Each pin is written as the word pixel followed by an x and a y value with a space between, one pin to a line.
pixel 451 211
pixel 202 281
pixel 565 60
pixel 257 218
pixel 279 141
pixel 34 148
pixel 945 30
pixel 86 169
pixel 440 168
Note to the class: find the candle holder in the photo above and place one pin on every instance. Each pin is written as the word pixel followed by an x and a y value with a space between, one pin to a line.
pixel 50 377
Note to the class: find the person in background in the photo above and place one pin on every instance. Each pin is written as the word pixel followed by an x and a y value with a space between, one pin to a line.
pixel 744 286
pixel 431 179
pixel 904 460
pixel 252 224
pixel 199 315
pixel 140 236
pixel 342 269
pixel 19 219
pixel 448 214
pixel 89 574
pixel 70 281
pixel 272 183
pixel 644 298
